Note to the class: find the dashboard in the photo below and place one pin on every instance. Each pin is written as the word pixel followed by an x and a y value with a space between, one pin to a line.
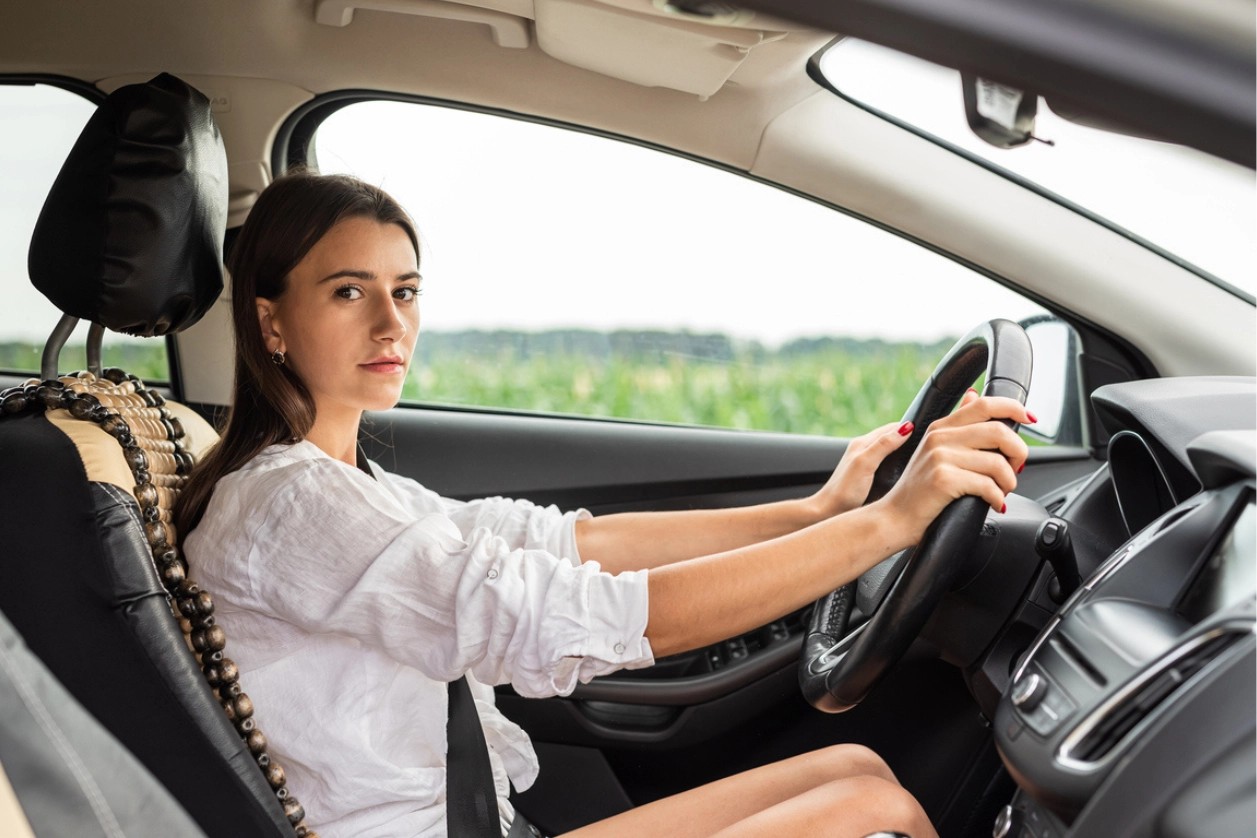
pixel 1133 711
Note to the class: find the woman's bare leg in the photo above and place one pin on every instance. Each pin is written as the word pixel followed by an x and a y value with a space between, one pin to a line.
pixel 832 787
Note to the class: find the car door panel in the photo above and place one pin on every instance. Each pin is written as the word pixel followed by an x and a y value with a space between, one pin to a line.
pixel 621 737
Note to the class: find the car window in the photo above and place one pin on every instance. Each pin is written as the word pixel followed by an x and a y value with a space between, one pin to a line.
pixel 572 273
pixel 41 124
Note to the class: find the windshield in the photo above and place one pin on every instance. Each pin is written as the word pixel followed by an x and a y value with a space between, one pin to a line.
pixel 1199 208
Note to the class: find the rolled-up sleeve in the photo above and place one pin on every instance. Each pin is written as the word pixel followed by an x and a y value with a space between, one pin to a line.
pixel 520 523
pixel 444 598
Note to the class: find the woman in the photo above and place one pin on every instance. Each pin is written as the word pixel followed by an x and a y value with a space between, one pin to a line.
pixel 352 595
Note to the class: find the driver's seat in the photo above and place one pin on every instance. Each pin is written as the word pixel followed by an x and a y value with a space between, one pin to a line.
pixel 130 238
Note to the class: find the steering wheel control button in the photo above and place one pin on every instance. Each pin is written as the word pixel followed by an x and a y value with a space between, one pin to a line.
pixel 1029 691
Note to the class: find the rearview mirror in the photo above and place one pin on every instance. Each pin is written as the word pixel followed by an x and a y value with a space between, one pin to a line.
pixel 1002 116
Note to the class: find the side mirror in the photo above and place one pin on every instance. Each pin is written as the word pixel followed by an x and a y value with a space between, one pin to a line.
pixel 1056 393
pixel 1002 116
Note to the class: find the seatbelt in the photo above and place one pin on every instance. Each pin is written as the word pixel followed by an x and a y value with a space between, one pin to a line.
pixel 471 798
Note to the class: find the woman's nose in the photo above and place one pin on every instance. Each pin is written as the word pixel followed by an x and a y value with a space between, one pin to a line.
pixel 390 323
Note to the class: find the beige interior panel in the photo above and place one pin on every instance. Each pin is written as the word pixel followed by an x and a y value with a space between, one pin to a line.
pixel 13 822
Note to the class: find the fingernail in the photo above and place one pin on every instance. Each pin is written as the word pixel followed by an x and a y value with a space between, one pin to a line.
pixel 971 390
pixel 1021 468
pixel 1031 417
pixel 1003 508
pixel 905 429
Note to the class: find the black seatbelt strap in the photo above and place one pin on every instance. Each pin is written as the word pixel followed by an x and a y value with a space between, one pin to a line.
pixel 471 799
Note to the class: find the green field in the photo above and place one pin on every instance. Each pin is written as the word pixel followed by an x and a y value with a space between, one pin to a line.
pixel 832 387
pixel 837 387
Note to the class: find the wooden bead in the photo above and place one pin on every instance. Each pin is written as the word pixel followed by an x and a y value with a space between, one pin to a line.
pixel 211 639
pixel 275 775
pixel 243 705
pixel 230 710
pixel 233 690
pixel 187 607
pixel 263 760
pixel 256 740
pixel 136 458
pixel 229 672
pixel 293 811
pixel 172 574
pixel 246 726
pixel 213 674
pixel 14 402
pixel 146 494
pixel 205 603
pixel 155 532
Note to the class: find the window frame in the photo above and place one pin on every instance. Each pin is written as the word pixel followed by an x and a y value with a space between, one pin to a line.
pixel 294 143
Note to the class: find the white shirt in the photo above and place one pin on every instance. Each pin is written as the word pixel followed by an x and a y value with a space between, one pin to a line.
pixel 349 603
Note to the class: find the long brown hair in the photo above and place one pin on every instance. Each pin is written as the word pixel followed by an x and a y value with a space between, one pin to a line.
pixel 270 404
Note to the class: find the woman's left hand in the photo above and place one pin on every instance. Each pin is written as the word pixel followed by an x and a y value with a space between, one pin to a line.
pixel 849 485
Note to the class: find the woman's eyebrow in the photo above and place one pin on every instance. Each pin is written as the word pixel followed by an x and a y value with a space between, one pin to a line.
pixel 367 276
pixel 364 275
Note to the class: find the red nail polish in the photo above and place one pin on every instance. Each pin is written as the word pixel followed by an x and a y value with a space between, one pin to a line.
pixel 1021 468
pixel 1003 508
pixel 1031 417
pixel 971 390
pixel 905 429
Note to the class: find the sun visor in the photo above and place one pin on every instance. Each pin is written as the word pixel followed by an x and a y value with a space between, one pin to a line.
pixel 645 49
pixel 131 233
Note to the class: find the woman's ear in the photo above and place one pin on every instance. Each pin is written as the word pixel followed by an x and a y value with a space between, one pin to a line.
pixel 266 321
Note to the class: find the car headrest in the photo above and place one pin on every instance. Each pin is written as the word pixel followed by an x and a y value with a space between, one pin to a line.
pixel 131 235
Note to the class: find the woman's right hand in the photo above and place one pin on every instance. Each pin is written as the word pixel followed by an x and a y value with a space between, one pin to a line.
pixel 968 452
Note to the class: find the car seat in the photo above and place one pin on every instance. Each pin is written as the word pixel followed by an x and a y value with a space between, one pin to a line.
pixel 130 238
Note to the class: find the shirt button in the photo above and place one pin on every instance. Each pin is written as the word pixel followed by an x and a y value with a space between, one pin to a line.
pixel 493 574
pixel 619 648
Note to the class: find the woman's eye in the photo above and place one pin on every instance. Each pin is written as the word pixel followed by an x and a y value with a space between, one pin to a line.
pixel 407 293
pixel 349 292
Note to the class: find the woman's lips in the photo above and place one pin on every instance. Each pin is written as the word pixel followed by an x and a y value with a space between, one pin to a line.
pixel 386 366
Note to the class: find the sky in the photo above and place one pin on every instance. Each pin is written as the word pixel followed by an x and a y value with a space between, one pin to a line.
pixel 527 226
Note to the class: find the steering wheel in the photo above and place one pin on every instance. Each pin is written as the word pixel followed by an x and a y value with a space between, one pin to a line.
pixel 837 671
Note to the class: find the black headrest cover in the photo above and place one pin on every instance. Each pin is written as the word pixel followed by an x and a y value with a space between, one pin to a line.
pixel 131 235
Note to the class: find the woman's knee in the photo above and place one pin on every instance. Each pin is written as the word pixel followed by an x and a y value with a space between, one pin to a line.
pixel 850 760
pixel 866 805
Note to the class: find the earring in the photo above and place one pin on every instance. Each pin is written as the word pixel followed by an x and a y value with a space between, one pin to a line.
pixel 277 358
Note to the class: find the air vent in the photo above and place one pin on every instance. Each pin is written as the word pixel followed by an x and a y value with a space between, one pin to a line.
pixel 1102 732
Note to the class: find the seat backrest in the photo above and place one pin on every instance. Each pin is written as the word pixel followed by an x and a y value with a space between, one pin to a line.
pixel 131 238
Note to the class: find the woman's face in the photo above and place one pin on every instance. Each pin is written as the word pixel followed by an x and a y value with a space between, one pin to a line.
pixel 348 320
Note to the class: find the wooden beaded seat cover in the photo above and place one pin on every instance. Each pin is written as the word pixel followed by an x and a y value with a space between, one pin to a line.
pixel 135 451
